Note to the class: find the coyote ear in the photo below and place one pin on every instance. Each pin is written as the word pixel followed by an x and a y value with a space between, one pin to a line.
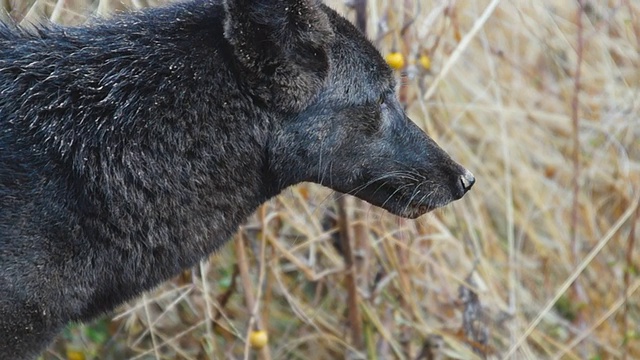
pixel 283 46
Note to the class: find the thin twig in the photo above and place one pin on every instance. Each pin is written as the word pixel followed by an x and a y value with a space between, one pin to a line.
pixel 247 285
pixel 355 318
pixel 223 298
pixel 575 121
pixel 578 291
pixel 204 266
pixel 629 264
pixel 147 314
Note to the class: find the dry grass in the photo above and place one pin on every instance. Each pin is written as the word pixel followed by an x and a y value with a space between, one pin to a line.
pixel 540 260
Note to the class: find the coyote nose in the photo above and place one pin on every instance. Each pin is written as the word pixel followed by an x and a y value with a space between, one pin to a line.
pixel 467 179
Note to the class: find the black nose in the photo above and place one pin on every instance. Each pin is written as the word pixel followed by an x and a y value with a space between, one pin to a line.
pixel 467 179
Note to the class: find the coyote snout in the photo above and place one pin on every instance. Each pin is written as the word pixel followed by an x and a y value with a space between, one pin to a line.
pixel 416 176
pixel 369 148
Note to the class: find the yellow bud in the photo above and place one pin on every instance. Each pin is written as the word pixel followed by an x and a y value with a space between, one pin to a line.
pixel 258 339
pixel 75 355
pixel 425 61
pixel 395 60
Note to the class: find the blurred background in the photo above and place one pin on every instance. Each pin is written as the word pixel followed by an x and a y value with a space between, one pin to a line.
pixel 540 100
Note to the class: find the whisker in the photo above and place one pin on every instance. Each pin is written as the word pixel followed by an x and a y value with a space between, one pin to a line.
pixel 416 191
pixel 392 194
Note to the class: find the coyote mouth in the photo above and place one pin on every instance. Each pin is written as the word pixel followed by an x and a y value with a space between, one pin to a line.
pixel 405 200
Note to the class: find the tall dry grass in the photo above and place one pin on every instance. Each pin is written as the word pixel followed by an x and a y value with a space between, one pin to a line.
pixel 540 99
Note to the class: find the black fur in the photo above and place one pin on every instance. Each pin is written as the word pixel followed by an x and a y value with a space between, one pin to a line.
pixel 132 148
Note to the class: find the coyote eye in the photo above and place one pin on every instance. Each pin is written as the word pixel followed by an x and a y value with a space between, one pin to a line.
pixel 382 99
